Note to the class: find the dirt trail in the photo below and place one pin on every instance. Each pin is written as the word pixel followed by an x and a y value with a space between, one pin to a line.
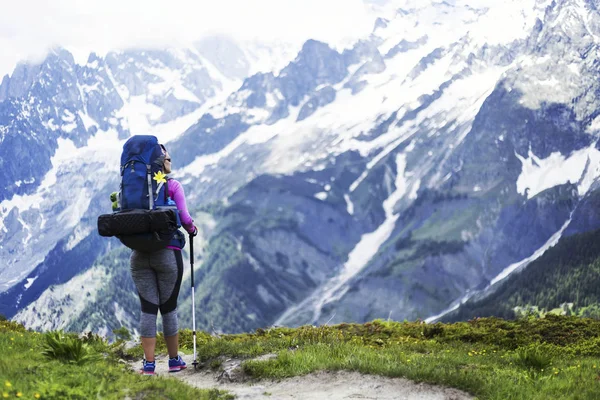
pixel 321 385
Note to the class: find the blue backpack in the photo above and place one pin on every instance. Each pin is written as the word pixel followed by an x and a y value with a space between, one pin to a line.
pixel 145 218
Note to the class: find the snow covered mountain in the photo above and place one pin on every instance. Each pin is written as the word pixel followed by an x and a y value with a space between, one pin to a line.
pixel 61 134
pixel 395 178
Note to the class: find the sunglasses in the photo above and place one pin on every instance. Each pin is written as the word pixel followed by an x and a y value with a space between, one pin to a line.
pixel 168 159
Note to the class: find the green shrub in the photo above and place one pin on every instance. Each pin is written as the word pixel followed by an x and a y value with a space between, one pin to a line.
pixel 67 349
pixel 431 331
pixel 122 334
pixel 93 338
pixel 533 357
pixel 10 326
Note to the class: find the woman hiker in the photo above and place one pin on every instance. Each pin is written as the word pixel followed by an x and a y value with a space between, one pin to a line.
pixel 157 276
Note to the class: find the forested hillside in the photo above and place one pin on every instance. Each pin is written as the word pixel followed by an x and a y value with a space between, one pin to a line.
pixel 567 273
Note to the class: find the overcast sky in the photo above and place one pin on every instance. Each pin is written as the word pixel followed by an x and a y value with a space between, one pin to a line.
pixel 29 27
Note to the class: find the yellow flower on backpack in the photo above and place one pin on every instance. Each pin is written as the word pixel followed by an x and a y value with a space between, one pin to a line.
pixel 160 177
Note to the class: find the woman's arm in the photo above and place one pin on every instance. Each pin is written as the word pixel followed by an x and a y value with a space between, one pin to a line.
pixel 178 195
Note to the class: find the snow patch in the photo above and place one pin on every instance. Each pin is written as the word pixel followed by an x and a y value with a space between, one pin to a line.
pixel 50 125
pixel 88 121
pixel 68 128
pixel 27 228
pixel 370 243
pixel 269 57
pixel 139 113
pixel 374 161
pixel 349 204
pixel 66 149
pixel 30 282
pixel 550 243
pixel 171 84
pixel 121 314
pixel 321 196
pixel 538 174
pixel 506 22
pixel 229 85
pixel 594 126
pixel 79 233
pixel 256 134
pixel 452 307
pixel 68 116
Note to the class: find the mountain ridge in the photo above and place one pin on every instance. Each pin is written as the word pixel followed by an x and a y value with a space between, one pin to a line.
pixel 445 157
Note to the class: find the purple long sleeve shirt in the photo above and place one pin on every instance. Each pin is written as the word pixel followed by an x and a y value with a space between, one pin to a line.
pixel 177 194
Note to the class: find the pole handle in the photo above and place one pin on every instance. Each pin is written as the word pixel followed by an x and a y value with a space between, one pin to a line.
pixel 192 257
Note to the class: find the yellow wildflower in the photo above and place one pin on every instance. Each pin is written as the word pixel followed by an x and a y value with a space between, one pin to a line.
pixel 37 395
pixel 160 177
pixel 19 394
pixel 5 395
pixel 7 384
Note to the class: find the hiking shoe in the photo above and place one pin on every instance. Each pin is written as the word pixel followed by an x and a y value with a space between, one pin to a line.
pixel 176 364
pixel 148 368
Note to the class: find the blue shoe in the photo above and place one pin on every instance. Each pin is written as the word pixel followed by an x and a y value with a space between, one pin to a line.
pixel 148 368
pixel 176 364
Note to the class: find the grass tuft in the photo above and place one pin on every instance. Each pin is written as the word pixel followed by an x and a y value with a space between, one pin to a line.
pixel 533 357
pixel 67 348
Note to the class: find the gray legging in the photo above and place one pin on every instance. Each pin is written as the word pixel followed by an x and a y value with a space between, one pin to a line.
pixel 157 277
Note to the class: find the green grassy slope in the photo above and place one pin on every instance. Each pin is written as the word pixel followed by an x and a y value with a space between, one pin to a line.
pixel 537 358
pixel 91 370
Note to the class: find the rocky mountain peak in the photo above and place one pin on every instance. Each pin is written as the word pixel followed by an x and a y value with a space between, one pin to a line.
pixel 316 64
pixel 396 176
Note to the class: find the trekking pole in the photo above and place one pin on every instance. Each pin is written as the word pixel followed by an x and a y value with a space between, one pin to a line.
pixel 195 363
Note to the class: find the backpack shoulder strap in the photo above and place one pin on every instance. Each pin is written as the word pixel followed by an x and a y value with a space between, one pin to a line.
pixel 167 190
